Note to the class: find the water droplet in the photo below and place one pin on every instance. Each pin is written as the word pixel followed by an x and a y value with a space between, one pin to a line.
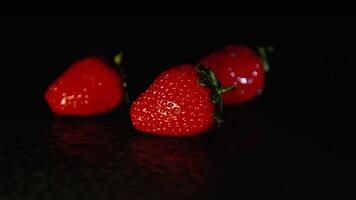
pixel 63 101
pixel 229 69
pixel 254 73
pixel 162 111
pixel 242 80
pixel 232 74
pixel 259 92
pixel 70 97
pixel 163 102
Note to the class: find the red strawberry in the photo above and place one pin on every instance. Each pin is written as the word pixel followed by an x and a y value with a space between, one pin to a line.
pixel 89 86
pixel 180 102
pixel 239 66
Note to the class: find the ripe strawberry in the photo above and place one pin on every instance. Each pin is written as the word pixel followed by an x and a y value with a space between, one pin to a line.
pixel 180 102
pixel 89 86
pixel 239 66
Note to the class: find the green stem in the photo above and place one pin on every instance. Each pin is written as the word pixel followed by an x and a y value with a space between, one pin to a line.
pixel 225 89
pixel 118 58
pixel 118 61
pixel 262 51
pixel 208 79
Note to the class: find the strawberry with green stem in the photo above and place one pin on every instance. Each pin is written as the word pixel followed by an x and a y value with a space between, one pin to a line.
pixel 182 101
pixel 239 66
pixel 89 86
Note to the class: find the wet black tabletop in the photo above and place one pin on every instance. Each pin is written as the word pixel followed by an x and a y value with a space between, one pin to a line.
pixel 293 142
pixel 251 156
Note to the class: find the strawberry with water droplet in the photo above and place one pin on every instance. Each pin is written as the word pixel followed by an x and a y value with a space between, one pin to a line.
pixel 239 66
pixel 182 101
pixel 89 86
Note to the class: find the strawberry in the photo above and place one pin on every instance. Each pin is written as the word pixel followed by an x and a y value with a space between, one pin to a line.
pixel 239 66
pixel 89 86
pixel 182 101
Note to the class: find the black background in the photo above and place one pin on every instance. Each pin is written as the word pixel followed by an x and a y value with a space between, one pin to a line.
pixel 312 66
pixel 308 96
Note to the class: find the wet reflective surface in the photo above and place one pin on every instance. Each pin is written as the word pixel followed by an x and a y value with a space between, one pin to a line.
pixel 296 141
pixel 251 156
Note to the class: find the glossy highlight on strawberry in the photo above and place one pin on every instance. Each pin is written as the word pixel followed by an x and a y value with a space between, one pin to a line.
pixel 184 100
pixel 241 67
pixel 175 104
pixel 89 86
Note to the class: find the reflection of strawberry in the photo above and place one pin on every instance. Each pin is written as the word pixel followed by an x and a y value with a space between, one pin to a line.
pixel 241 67
pixel 90 139
pixel 174 164
pixel 180 102
pixel 89 86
